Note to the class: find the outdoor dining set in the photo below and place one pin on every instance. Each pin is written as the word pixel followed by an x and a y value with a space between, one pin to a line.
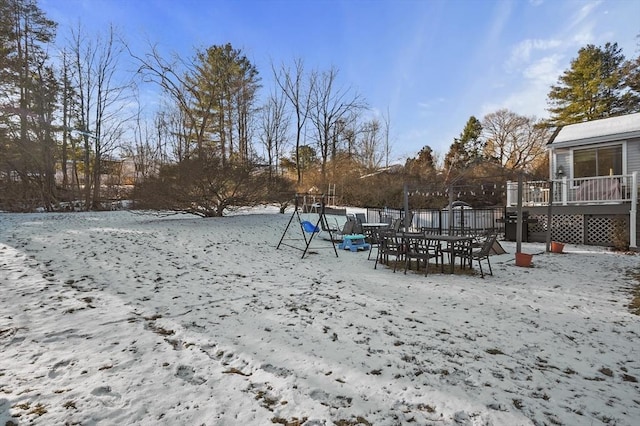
pixel 396 246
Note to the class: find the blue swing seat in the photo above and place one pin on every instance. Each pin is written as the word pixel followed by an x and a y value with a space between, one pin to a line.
pixel 309 227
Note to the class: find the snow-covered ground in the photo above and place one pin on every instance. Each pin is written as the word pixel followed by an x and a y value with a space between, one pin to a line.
pixel 123 318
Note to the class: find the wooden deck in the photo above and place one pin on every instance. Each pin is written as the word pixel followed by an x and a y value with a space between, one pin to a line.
pixel 601 190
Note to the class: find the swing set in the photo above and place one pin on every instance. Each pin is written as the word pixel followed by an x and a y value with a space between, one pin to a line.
pixel 306 227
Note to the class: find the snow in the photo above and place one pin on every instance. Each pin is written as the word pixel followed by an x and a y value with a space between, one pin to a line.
pixel 614 127
pixel 125 318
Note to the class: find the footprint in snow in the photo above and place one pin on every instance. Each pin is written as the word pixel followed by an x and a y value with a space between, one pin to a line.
pixel 188 374
pixel 106 394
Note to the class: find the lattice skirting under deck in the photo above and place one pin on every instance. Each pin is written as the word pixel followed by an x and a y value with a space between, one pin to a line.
pixel 579 229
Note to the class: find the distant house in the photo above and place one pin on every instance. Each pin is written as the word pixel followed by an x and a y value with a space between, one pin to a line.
pixel 593 170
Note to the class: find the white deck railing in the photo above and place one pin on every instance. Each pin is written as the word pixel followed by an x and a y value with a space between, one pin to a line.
pixel 594 190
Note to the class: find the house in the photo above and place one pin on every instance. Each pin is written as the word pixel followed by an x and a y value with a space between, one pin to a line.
pixel 593 185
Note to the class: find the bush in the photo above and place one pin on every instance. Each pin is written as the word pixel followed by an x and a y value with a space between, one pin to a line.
pixel 203 187
pixel 620 234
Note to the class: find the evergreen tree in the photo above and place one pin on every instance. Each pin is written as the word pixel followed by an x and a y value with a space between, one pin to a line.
pixel 226 82
pixel 593 87
pixel 631 71
pixel 467 148
pixel 29 97
pixel 423 166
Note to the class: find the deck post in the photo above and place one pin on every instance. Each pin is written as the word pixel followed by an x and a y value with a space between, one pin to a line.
pixel 634 211
pixel 519 224
pixel 565 190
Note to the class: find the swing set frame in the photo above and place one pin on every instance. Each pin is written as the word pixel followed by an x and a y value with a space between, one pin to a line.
pixel 320 224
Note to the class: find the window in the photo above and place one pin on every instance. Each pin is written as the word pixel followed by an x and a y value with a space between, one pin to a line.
pixel 603 161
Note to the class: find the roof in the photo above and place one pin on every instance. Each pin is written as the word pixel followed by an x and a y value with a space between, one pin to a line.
pixel 604 130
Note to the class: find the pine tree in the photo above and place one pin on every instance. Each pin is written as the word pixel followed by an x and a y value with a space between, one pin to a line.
pixel 593 87
pixel 467 148
pixel 226 83
pixel 29 90
pixel 631 70
pixel 423 166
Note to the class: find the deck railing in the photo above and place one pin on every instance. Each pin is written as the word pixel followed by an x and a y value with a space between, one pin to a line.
pixel 615 189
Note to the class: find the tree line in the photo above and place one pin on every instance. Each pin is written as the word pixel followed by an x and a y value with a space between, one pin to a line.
pixel 219 139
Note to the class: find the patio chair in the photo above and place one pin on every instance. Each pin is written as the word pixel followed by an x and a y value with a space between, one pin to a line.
pixel 324 223
pixel 398 224
pixel 461 249
pixel 374 238
pixel 349 227
pixel 421 249
pixel 361 218
pixel 483 253
pixel 357 227
pixel 386 218
pixel 335 231
pixel 391 244
pixel 410 219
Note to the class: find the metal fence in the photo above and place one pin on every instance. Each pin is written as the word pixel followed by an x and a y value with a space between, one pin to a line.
pixel 465 220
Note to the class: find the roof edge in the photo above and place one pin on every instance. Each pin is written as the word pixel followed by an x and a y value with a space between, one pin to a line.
pixel 555 134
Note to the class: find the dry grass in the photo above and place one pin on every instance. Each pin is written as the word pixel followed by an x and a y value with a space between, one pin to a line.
pixel 634 306
pixel 433 268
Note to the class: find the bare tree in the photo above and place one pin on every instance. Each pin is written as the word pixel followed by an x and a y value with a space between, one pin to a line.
pixel 514 141
pixel 274 126
pixel 387 142
pixel 214 93
pixel 68 102
pixel 329 107
pixel 173 76
pixel 370 150
pixel 173 126
pixel 298 93
pixel 142 150
pixel 349 130
pixel 101 99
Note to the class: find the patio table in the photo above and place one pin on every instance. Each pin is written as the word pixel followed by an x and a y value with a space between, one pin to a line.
pixel 452 241
pixel 369 230
pixel 374 225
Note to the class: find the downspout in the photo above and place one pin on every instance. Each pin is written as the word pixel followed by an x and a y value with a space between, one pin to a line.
pixel 549 217
pixel 633 213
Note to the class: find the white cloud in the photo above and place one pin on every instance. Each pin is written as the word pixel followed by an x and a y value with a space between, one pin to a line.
pixel 583 13
pixel 529 97
pixel 546 70
pixel 539 62
pixel 583 37
pixel 427 107
pixel 500 19
pixel 522 52
pixel 530 101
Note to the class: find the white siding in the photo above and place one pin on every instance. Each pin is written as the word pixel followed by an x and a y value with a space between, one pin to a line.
pixel 633 155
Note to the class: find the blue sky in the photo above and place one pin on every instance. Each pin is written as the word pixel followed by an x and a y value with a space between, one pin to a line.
pixel 431 64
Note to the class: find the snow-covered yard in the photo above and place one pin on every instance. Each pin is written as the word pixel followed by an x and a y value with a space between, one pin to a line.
pixel 123 318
